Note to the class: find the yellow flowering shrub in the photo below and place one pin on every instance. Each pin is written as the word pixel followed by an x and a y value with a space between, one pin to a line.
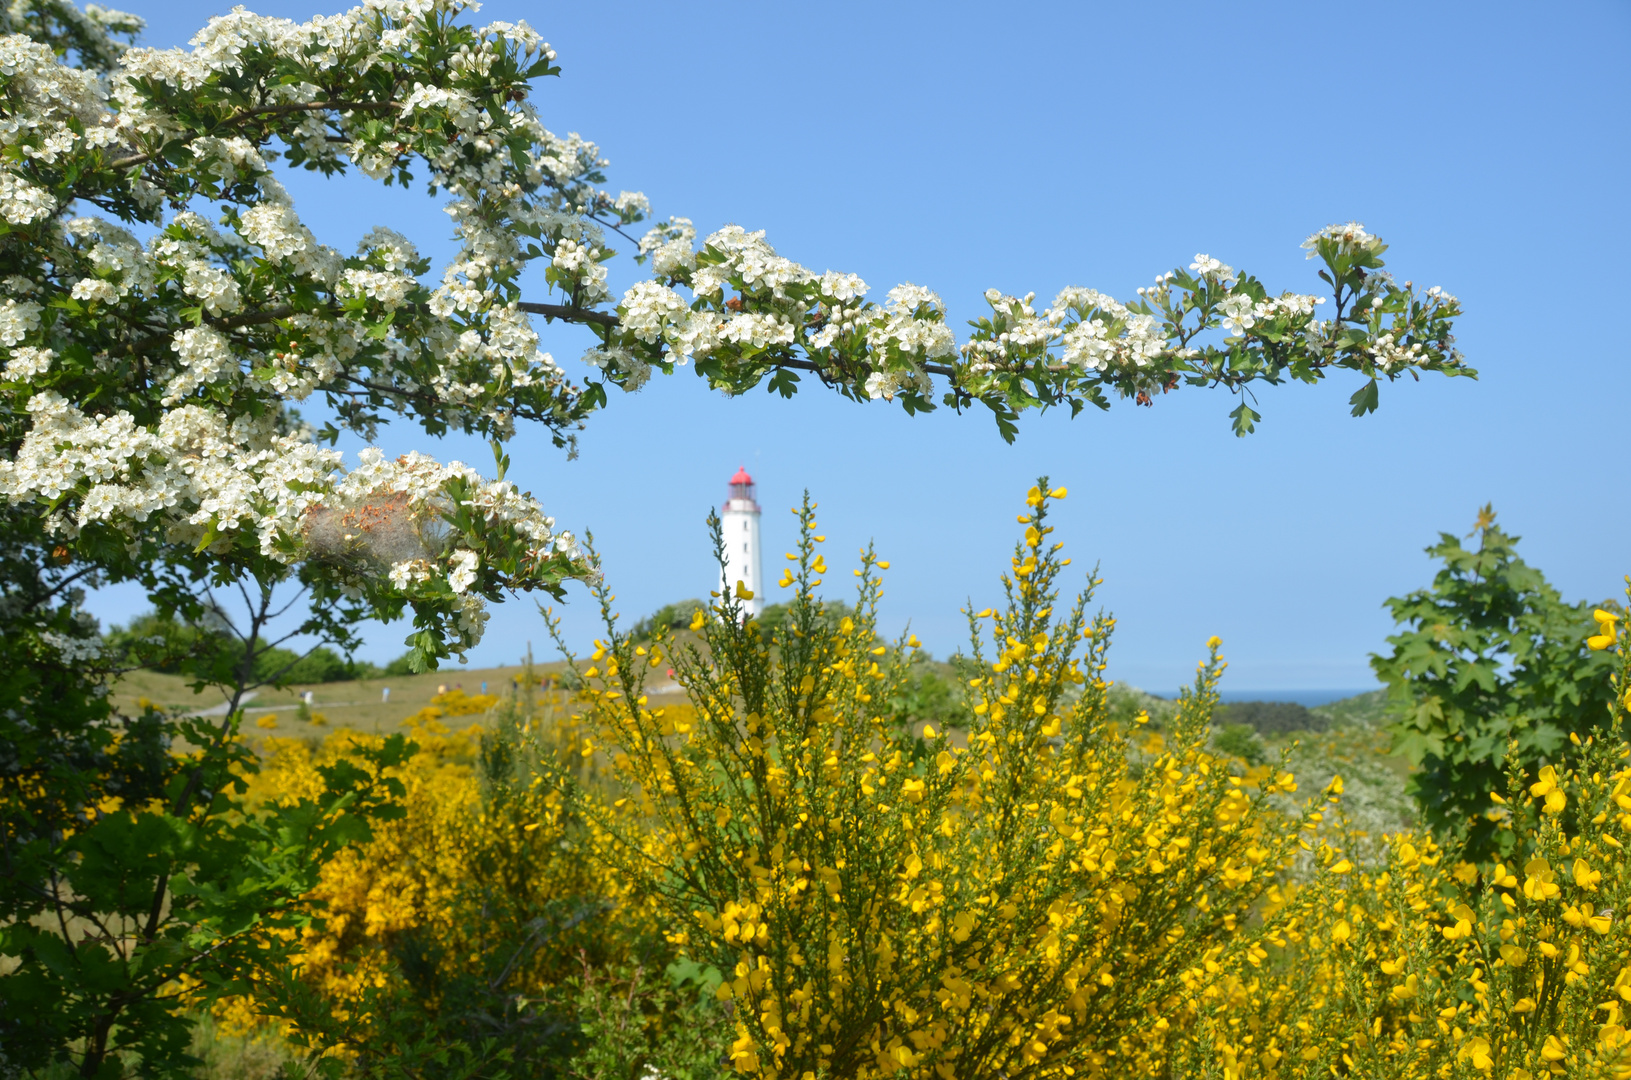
pixel 1038 890
pixel 484 882
pixel 1426 966
pixel 1049 885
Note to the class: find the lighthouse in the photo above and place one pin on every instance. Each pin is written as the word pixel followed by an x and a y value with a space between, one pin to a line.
pixel 740 526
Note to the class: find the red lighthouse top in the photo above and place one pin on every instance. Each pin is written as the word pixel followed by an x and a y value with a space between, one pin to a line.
pixel 742 489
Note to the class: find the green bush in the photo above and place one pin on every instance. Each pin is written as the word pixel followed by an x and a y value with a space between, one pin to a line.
pixel 164 643
pixel 1491 664
pixel 927 695
pixel 1241 741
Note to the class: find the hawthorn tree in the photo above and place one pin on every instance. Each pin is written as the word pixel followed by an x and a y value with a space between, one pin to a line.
pixel 163 310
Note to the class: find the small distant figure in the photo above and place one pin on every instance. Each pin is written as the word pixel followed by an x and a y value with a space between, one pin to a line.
pixel 441 688
pixel 484 686
pixel 385 694
pixel 308 697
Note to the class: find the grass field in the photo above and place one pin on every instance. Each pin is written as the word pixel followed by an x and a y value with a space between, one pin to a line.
pixel 360 706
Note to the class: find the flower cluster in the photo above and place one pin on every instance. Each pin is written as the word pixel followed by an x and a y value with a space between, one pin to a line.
pixel 419 881
pixel 753 313
pixel 152 378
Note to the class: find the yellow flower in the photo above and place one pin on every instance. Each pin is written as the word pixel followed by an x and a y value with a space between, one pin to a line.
pixel 1462 914
pixel 1539 882
pixel 1476 1050
pixel 1607 629
pixel 1548 786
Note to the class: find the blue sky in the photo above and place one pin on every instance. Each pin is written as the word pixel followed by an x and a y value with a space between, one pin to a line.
pixel 1029 146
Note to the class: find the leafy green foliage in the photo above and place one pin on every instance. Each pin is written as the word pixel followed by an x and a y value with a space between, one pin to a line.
pixel 635 1021
pixel 138 884
pixel 164 643
pixel 1241 741
pixel 1491 664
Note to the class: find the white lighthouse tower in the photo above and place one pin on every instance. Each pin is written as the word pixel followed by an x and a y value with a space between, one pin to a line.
pixel 740 523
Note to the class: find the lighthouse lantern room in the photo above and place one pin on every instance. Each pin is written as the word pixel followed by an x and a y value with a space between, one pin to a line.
pixel 740 525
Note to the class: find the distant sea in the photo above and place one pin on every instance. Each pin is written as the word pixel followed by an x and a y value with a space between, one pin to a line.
pixel 1306 698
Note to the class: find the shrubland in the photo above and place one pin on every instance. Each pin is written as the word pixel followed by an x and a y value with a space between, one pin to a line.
pixel 833 859
pixel 776 878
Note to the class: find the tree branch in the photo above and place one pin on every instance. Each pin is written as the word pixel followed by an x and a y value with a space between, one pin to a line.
pixel 569 313
pixel 158 341
pixel 272 110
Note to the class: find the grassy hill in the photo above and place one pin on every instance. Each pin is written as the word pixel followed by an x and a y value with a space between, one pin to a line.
pixel 360 705
pixel 1344 737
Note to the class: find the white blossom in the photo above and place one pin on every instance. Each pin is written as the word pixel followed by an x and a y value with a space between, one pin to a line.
pixel 17 319
pixel 21 203
pixel 73 650
pixel 1350 238
pixel 1238 316
pixel 29 363
pixel 1213 270
pixel 94 289
pixel 462 571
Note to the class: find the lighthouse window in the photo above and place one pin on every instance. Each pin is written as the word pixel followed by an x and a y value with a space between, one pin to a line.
pixel 744 547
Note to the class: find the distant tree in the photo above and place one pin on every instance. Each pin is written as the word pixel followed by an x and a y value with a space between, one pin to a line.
pixel 402 665
pixel 1271 717
pixel 928 694
pixel 675 616
pixel 165 643
pixel 773 618
pixel 319 665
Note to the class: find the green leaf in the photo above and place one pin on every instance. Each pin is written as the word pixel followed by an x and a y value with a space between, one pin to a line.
pixel 1245 419
pixel 784 382
pixel 1364 399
